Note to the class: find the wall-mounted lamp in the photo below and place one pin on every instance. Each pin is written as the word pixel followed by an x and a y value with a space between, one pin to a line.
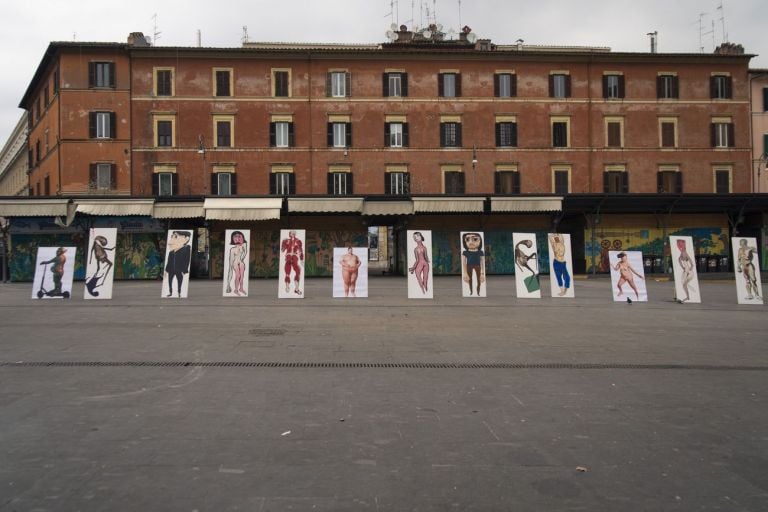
pixel 200 145
pixel 474 156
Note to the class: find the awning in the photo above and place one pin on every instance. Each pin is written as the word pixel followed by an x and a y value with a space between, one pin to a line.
pixel 448 204
pixel 388 208
pixel 33 207
pixel 325 205
pixel 242 208
pixel 178 210
pixel 526 204
pixel 115 207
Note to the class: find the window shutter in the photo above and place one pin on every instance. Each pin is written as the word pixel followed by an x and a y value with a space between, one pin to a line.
pixel 328 84
pixel 291 135
pixel 233 183
pixel 350 183
pixel 92 125
pixel 155 184
pixel 291 183
pixel 625 183
pixel 731 136
pixel 679 183
pixel 765 145
pixel 659 86
pixel 729 87
pixel 713 134
pixel 349 135
pixel 91 74
pixel 516 183
pixel 622 91
pixel 348 84
pixel 458 135
pixel 675 87
pixel 496 85
pixel 272 183
pixel 113 176
pixel 93 176
pixel 386 135
pixel 330 183
pixel 551 86
pixel 174 184
pixel 440 87
pixel 112 125
pixel 405 135
pixel 513 85
pixel 713 87
pixel 272 134
pixel 605 86
pixel 567 86
pixel 330 135
pixel 497 183
pixel 407 183
pixel 404 84
pixel 385 84
pixel 215 184
pixel 606 182
pixel 458 84
pixel 388 183
pixel 765 99
pixel 443 128
pixel 498 134
pixel 513 134
pixel 112 74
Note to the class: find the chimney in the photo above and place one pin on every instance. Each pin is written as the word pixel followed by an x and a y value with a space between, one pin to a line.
pixel 654 45
pixel 137 39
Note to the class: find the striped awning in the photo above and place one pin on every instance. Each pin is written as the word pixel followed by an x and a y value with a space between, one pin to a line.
pixel 325 205
pixel 115 207
pixel 28 207
pixel 526 204
pixel 178 210
pixel 242 208
pixel 388 208
pixel 448 204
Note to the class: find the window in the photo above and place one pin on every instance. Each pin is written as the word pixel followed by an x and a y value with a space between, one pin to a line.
pixel 723 181
pixel 102 176
pixel 339 183
pixel 222 81
pixel 722 133
pixel 101 74
pixel 720 87
pixel 559 85
pixel 338 84
pixel 668 132
pixel 453 182
pixel 561 180
pixel 164 82
pixel 667 86
pixel 224 131
pixel 164 130
pixel 165 181
pixel 339 134
pixel 47 141
pixel 614 132
pixel 506 133
pixel 397 183
pixel 38 109
pixel 46 96
pixel 38 154
pixel 449 85
pixel 281 134
pixel 47 185
pixel 613 86
pixel 56 81
pixel 223 181
pixel 669 181
pixel 396 134
pixel 560 137
pixel 101 125
pixel 504 85
pixel 395 84
pixel 615 181
pixel 450 134
pixel 765 99
pixel 282 181
pixel 506 180
pixel 281 83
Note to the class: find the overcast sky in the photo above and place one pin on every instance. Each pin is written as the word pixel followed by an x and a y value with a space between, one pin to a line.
pixel 27 28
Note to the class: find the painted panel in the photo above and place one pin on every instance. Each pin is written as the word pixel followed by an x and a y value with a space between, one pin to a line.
pixel 684 269
pixel 419 252
pixel 350 272
pixel 99 272
pixel 746 264
pixel 236 263
pixel 291 279
pixel 54 271
pixel 178 258
pixel 473 282
pixel 560 265
pixel 527 266
pixel 628 276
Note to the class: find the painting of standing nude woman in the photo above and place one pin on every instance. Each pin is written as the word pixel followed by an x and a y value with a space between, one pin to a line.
pixel 419 253
pixel 628 276
pixel 236 262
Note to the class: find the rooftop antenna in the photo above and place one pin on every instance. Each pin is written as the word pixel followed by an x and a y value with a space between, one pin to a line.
pixel 155 33
pixel 199 38
pixel 245 34
pixel 460 13
pixel 701 31
pixel 654 44
pixel 722 20
pixel 434 12
pixel 74 36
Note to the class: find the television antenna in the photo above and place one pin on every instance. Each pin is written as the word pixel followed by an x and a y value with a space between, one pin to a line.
pixel 245 34
pixel 722 21
pixel 155 32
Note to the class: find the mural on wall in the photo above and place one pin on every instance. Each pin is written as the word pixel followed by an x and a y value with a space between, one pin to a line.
pixel 560 265
pixel 419 250
pixel 99 273
pixel 708 241
pixel 747 267
pixel 291 279
pixel 473 283
pixel 684 269
pixel 236 264
pixel 178 258
pixel 350 272
pixel 627 276
pixel 526 261
pixel 54 269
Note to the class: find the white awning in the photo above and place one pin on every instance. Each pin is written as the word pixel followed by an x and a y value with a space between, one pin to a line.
pixel 325 205
pixel 242 208
pixel 178 210
pixel 115 207
pixel 448 204
pixel 388 208
pixel 33 207
pixel 526 204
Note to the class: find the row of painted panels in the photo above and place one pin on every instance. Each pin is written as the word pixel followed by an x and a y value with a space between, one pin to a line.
pixel 55 267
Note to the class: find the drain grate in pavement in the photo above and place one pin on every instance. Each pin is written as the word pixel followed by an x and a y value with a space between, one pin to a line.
pixel 414 365
pixel 266 332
